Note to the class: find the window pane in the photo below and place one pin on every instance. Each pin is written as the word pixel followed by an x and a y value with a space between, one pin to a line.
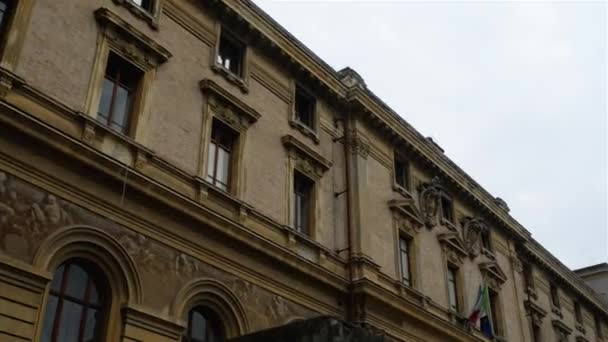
pixel 106 100
pixel 405 263
pixel 223 165
pixel 49 319
pixel 211 163
pixel 70 322
pixel 77 282
pixel 90 325
pixel 198 326
pixel 121 108
pixel 57 278
pixel 93 295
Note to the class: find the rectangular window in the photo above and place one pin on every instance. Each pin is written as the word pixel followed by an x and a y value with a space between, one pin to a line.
pixel 305 108
pixel 578 314
pixel 231 54
pixel 554 296
pixel 402 172
pixel 303 187
pixel 220 155
pixel 6 12
pixel 404 259
pixel 119 89
pixel 598 327
pixel 494 310
pixel 452 288
pixel 145 4
pixel 528 276
pixel 486 241
pixel 446 208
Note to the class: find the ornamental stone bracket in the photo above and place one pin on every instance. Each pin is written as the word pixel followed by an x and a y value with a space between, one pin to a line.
pixel 493 274
pixel 430 194
pixel 228 107
pixel 535 312
pixel 472 230
pixel 357 144
pixel 406 214
pixel 130 41
pixel 306 159
pixel 563 331
pixel 453 247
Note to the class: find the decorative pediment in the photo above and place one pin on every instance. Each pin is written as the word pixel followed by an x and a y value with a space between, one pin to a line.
pixel 130 41
pixel 472 230
pixel 405 209
pixel 228 107
pixel 493 274
pixel 430 195
pixel 453 246
pixel 535 312
pixel 307 160
pixel 562 330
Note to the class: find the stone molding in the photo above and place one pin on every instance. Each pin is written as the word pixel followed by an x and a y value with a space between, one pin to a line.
pixel 453 247
pixel 472 231
pixel 155 322
pixel 130 41
pixel 152 17
pixel 307 160
pixel 228 107
pixel 493 274
pixel 535 312
pixel 430 194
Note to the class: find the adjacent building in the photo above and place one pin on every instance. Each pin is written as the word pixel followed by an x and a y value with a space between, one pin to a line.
pixel 186 170
pixel 596 276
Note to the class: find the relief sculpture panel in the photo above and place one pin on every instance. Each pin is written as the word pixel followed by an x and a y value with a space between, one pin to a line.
pixel 28 215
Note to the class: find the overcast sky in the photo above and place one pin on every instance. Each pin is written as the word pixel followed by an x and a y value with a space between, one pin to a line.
pixel 514 92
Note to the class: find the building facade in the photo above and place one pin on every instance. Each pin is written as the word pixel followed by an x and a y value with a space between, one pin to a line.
pixel 187 170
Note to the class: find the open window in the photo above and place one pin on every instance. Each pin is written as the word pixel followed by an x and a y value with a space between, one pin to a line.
pixel 447 208
pixel 404 260
pixel 453 288
pixel 303 197
pixel 220 159
pixel 231 54
pixel 402 176
pixel 305 108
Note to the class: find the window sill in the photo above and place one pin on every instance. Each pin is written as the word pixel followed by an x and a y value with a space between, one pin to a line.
pixel 305 130
pixel 401 190
pixel 138 11
pixel 231 77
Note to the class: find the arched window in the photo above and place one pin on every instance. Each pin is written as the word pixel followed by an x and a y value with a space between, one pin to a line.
pixel 76 305
pixel 203 326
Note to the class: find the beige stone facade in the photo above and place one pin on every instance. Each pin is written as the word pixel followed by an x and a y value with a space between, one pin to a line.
pixel 138 204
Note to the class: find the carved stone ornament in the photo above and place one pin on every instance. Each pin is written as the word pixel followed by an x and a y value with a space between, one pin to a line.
pixel 356 144
pixel 493 274
pixel 535 312
pixel 430 195
pixel 306 159
pixel 453 247
pixel 472 230
pixel 130 41
pixel 227 107
pixel 406 214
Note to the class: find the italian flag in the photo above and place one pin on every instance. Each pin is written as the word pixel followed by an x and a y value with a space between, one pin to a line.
pixel 482 312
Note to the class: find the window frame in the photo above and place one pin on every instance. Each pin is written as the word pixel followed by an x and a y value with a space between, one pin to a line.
pixel 241 80
pixel 598 326
pixel 496 311
pixel 554 296
pixel 308 204
pixel 150 15
pixel 97 278
pixel 578 313
pixel 407 281
pixel 443 198
pixel 13 34
pixel 233 136
pixel 454 271
pixel 406 173
pixel 310 131
pixel 210 316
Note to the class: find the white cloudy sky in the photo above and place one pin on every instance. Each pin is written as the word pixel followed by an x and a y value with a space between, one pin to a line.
pixel 514 92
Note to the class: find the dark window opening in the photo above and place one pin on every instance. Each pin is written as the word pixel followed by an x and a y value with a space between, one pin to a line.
pixel 117 96
pixel 486 241
pixel 203 326
pixel 231 54
pixel 446 208
pixel 598 327
pixel 554 296
pixel 402 172
pixel 494 305
pixel 578 314
pixel 404 258
pixel 305 108
pixel 145 4
pixel 452 288
pixel 528 276
pixel 536 333
pixel 76 306
pixel 7 8
pixel 303 187
pixel 220 157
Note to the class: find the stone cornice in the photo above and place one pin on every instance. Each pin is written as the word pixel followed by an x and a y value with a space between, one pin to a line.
pixel 242 109
pixel 290 142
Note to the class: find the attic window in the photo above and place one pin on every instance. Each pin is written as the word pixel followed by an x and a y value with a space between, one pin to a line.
pixel 402 172
pixel 305 108
pixel 231 54
pixel 145 4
